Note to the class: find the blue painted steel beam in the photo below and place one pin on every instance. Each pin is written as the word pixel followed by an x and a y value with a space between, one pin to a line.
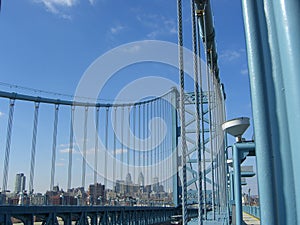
pixel 273 47
pixel 286 15
pixel 259 67
pixel 237 185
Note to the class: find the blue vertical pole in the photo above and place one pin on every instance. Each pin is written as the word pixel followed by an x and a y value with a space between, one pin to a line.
pixel 237 186
pixel 286 15
pixel 231 187
pixel 284 169
pixel 259 68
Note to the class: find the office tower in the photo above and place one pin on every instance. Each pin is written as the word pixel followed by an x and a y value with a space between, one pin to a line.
pixel 20 183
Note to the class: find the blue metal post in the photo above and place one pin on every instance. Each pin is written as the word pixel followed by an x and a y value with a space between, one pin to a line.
pixel 237 185
pixel 284 169
pixel 286 15
pixel 231 187
pixel 259 70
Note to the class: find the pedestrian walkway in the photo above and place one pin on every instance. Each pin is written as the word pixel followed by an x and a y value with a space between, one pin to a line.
pixel 250 220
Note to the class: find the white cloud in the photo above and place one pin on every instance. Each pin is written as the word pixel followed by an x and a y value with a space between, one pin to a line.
pixel 119 151
pixel 92 2
pixel 117 29
pixel 132 49
pixel 244 71
pixel 65 150
pixel 58 3
pixel 59 6
pixel 60 164
pixel 230 55
pixel 2 114
pixel 160 25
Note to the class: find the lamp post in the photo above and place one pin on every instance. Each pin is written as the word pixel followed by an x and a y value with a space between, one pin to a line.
pixel 236 128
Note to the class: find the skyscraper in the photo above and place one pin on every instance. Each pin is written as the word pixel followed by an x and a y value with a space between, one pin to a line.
pixel 128 179
pixel 20 183
pixel 155 184
pixel 141 180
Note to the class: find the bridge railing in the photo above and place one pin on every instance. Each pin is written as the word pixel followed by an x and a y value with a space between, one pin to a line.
pixel 252 210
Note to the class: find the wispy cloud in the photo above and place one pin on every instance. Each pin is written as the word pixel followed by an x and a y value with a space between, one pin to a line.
pixel 232 55
pixel 92 2
pixel 60 164
pixel 59 7
pixel 160 25
pixel 117 29
pixel 65 150
pixel 132 49
pixel 2 114
pixel 120 151
pixel 244 71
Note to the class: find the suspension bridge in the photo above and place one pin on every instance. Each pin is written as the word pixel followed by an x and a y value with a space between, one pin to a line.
pixel 167 155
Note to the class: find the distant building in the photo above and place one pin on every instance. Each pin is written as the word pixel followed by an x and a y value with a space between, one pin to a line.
pixel 155 184
pixel 120 187
pixel 147 188
pixel 56 188
pixel 37 199
pixel 20 183
pixel 128 179
pixel 96 193
pixel 141 181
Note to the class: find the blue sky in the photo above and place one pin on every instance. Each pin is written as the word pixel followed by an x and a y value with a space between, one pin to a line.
pixel 48 45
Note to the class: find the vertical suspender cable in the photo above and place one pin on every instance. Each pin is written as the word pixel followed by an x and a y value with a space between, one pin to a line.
pixel 161 145
pixel 54 141
pixel 157 144
pixel 96 153
pixel 155 139
pixel 144 140
pixel 86 113
pixel 8 142
pixel 33 146
pixel 139 138
pixel 71 146
pixel 182 112
pixel 164 149
pixel 168 116
pixel 115 146
pixel 134 150
pixel 128 141
pixel 149 165
pixel 152 143
pixel 106 147
pixel 146 136
pixel 197 110
pixel 122 143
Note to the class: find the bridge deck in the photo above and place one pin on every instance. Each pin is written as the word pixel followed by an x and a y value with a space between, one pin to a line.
pixel 250 220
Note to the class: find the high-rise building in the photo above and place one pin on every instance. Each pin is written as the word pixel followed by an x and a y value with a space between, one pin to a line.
pixel 141 180
pixel 155 184
pixel 128 179
pixel 20 183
